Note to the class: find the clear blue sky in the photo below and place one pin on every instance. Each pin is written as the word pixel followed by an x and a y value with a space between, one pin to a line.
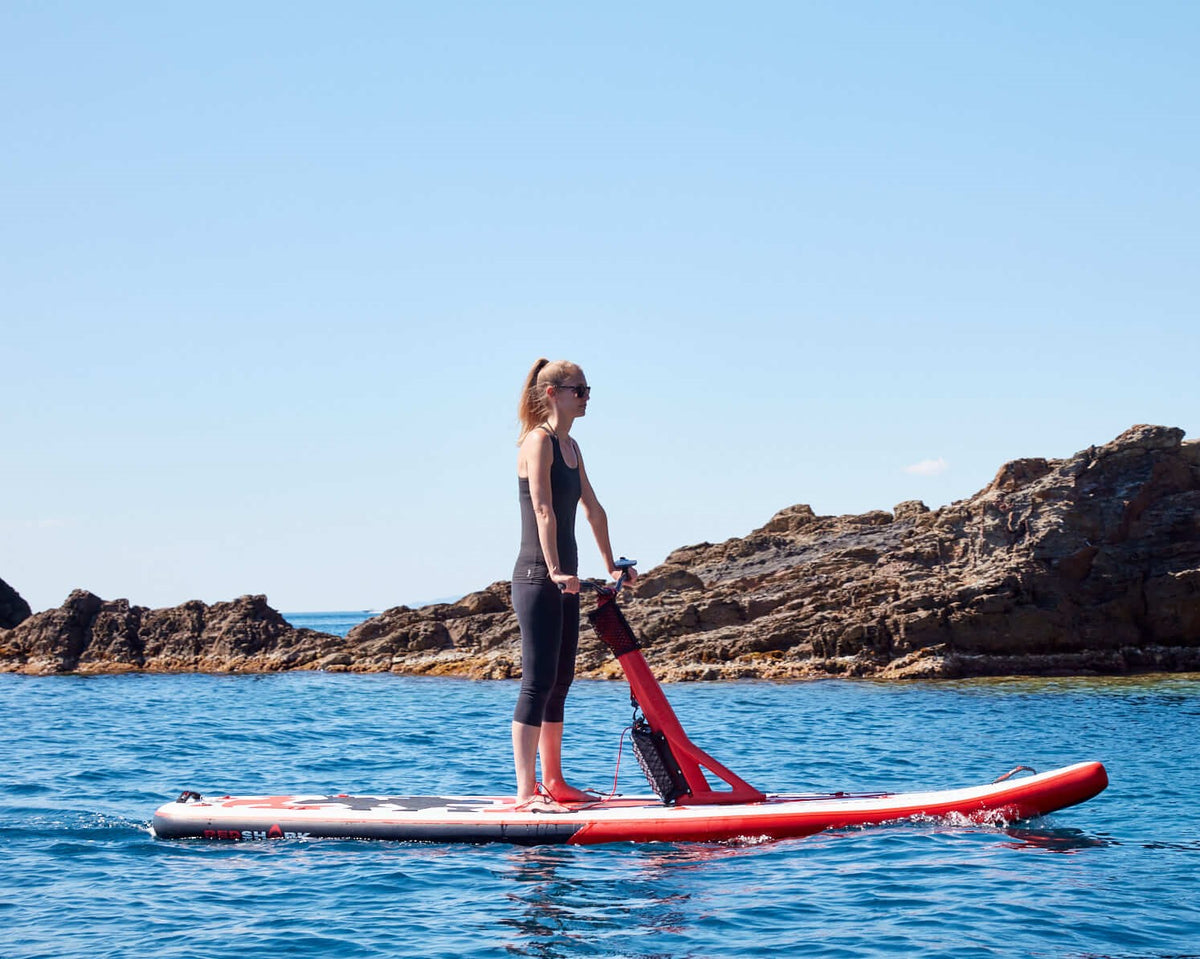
pixel 271 274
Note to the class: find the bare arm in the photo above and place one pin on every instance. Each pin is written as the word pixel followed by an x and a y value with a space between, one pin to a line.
pixel 597 519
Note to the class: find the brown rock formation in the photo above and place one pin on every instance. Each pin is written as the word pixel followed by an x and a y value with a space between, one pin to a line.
pixel 476 637
pixel 1083 565
pixel 1088 564
pixel 89 635
pixel 13 609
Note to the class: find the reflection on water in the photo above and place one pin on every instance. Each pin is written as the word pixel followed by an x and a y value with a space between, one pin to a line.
pixel 564 906
pixel 1191 846
pixel 1179 686
pixel 1055 840
pixel 663 899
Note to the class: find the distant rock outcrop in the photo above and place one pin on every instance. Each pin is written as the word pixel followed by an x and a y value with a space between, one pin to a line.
pixel 90 635
pixel 13 609
pixel 1083 565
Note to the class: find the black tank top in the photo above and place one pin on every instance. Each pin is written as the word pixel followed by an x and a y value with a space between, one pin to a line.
pixel 564 493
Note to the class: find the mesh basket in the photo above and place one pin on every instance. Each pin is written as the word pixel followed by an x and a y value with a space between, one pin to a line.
pixel 612 627
pixel 654 756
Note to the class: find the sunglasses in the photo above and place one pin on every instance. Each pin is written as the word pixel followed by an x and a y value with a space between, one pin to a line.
pixel 581 392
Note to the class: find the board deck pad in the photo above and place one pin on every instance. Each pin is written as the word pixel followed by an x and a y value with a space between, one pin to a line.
pixel 476 819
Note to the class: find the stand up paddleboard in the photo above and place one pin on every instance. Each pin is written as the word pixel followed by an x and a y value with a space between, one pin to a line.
pixel 686 806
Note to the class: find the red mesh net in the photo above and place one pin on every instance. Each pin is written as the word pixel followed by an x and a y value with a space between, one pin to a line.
pixel 612 627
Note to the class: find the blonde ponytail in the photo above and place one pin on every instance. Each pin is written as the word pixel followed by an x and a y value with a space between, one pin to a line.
pixel 532 408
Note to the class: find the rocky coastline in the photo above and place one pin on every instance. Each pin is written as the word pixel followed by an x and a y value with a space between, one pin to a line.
pixel 1083 565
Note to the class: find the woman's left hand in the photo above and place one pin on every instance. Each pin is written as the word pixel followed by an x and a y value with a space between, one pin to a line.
pixel 629 572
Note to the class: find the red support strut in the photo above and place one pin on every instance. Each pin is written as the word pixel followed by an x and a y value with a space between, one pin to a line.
pixel 691 759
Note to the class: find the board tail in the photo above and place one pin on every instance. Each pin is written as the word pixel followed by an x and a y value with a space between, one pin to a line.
pixel 673 764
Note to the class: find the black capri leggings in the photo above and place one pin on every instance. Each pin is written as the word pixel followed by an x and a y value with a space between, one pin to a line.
pixel 549 620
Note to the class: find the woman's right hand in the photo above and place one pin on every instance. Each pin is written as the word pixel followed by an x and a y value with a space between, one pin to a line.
pixel 566 582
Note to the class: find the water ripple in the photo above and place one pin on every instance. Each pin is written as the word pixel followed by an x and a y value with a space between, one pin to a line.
pixel 88 759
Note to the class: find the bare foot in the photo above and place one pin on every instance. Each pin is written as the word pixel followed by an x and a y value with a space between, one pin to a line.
pixel 561 792
pixel 540 803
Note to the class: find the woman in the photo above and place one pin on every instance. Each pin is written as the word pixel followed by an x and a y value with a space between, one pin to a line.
pixel 545 592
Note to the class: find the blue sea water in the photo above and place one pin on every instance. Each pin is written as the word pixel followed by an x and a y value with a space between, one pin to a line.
pixel 338 623
pixel 86 760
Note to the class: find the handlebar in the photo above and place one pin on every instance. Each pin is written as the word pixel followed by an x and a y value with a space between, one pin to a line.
pixel 602 587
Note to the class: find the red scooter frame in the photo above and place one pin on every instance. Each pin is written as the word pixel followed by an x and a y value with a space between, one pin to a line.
pixel 688 758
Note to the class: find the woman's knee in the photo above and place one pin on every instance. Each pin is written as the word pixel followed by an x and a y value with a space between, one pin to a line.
pixel 532 703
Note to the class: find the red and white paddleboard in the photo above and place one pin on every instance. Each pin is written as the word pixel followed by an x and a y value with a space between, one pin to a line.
pixel 477 819
pixel 686 808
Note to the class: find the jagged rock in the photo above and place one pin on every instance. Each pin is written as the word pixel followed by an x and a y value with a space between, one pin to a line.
pixel 1089 564
pixel 13 609
pixel 666 578
pixel 1085 564
pixel 909 509
pixel 90 635
pixel 790 520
